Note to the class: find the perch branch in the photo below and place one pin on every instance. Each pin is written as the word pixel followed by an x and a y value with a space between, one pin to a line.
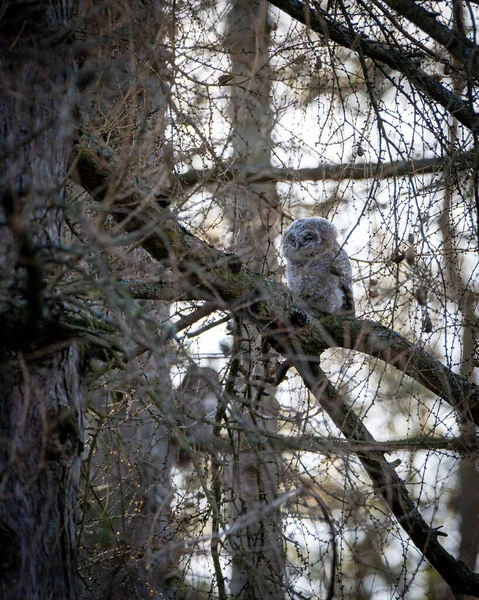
pixel 327 171
pixel 215 276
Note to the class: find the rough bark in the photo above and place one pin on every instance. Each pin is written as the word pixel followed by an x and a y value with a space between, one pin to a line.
pixel 40 429
pixel 41 391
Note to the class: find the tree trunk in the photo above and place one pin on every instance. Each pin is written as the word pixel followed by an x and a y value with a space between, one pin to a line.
pixel 257 548
pixel 40 376
pixel 254 208
pixel 40 428
pixel 459 290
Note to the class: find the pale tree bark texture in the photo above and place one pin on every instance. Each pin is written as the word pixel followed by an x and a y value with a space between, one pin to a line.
pixel 456 281
pixel 457 284
pixel 258 565
pixel 253 208
pixel 40 374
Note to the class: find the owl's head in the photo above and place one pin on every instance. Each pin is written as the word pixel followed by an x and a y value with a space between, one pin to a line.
pixel 308 237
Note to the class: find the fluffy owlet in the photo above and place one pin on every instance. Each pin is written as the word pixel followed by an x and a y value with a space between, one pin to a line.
pixel 317 269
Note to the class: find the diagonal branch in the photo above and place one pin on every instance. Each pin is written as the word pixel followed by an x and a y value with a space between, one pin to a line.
pixel 387 482
pixel 320 22
pixel 461 48
pixel 209 274
pixel 381 342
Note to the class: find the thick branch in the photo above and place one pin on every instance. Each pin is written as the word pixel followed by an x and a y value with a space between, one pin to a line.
pixel 387 482
pixel 216 276
pixel 320 22
pixel 461 48
pixel 378 341
pixel 161 289
pixel 323 172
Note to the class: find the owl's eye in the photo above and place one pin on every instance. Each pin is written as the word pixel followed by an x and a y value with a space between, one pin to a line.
pixel 308 236
pixel 291 238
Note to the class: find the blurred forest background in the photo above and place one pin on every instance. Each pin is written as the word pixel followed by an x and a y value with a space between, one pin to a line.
pixel 154 437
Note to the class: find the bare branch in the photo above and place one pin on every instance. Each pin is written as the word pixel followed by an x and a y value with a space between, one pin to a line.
pixel 387 482
pixel 384 343
pixel 461 48
pixel 219 278
pixel 324 171
pixel 320 22
pixel 329 445
pixel 195 316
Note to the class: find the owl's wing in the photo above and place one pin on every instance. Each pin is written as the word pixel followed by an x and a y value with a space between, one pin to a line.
pixel 348 305
pixel 341 267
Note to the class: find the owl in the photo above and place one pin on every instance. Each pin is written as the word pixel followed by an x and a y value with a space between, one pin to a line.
pixel 317 269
